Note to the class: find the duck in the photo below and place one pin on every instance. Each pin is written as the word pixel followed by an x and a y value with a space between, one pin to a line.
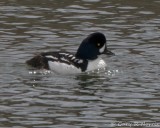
pixel 87 58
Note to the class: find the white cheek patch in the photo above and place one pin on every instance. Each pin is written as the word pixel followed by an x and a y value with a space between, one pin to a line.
pixel 101 50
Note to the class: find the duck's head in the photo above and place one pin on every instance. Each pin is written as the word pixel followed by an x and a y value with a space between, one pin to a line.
pixel 92 46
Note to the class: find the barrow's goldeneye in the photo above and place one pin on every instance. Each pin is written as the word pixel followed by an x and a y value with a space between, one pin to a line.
pixel 86 59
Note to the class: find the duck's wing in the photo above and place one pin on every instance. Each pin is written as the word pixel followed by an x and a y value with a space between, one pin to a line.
pixel 43 60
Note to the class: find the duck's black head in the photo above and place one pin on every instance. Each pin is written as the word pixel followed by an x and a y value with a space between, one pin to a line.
pixel 92 46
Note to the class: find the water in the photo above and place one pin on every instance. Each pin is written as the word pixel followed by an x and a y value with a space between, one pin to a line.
pixel 125 94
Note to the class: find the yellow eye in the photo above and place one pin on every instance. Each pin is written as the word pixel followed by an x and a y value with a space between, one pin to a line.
pixel 98 44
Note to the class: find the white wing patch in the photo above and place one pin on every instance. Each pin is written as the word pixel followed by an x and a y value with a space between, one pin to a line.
pixel 70 56
pixel 62 58
pixel 80 61
pixel 66 54
pixel 51 57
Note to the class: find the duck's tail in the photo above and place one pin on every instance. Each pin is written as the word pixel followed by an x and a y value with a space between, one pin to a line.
pixel 39 62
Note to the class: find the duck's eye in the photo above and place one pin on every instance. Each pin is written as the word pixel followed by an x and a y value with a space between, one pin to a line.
pixel 98 44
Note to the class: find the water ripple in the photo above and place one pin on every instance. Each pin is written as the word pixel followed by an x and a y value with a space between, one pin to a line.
pixel 126 91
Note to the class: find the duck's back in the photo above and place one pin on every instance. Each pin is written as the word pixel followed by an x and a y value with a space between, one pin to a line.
pixel 60 62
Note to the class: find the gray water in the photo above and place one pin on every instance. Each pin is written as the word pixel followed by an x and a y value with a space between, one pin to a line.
pixel 125 94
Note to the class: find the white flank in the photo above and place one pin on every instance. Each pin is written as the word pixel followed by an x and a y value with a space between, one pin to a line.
pixel 102 49
pixel 63 68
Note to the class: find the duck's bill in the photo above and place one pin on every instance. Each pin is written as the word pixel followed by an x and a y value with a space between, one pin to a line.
pixel 108 52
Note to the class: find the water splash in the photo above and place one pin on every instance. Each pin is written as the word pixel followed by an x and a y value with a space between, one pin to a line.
pixel 113 72
pixel 43 72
